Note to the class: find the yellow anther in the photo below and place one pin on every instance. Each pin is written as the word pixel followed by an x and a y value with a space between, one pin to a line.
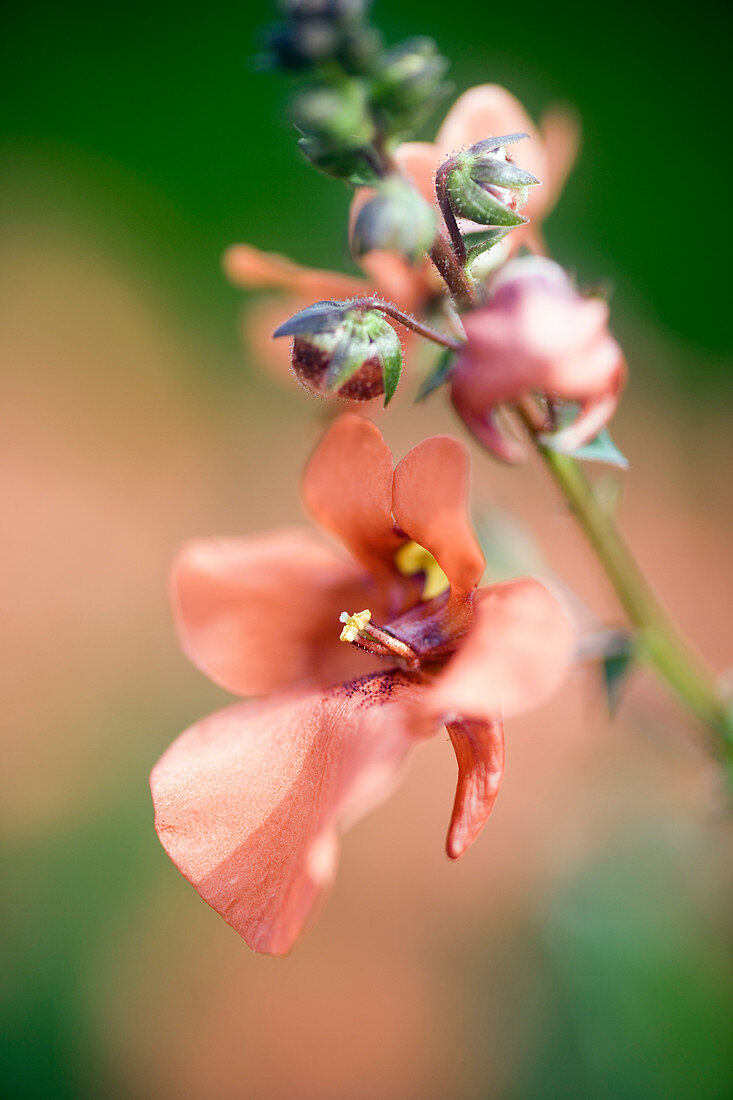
pixel 412 558
pixel 354 624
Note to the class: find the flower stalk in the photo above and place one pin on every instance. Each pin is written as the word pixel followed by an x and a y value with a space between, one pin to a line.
pixel 410 322
pixel 658 642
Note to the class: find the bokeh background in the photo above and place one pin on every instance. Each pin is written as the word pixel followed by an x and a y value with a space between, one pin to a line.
pixel 578 950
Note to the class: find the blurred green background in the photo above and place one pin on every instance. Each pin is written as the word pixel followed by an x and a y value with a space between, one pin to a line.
pixel 141 135
pixel 151 121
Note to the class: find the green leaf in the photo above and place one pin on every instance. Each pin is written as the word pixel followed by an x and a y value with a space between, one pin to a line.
pixel 439 374
pixel 484 242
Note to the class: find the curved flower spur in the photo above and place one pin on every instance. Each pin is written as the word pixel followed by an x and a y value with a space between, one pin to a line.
pixel 359 659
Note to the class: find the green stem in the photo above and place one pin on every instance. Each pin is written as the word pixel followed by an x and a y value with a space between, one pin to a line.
pixel 451 270
pixel 659 642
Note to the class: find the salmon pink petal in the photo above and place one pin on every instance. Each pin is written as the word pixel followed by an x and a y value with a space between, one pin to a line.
pixel 347 488
pixel 250 801
pixel 419 161
pixel 514 656
pixel 259 321
pixel 479 749
pixel 248 267
pixel 397 280
pixel 483 422
pixel 256 614
pixel 430 504
pixel 560 129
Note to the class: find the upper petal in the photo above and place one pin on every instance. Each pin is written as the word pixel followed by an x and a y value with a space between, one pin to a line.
pixel 429 502
pixel 560 128
pixel 249 802
pixel 347 488
pixel 248 267
pixel 513 657
pixel 259 613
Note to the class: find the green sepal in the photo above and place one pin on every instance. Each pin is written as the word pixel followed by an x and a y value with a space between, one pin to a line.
pixel 600 449
pixel 390 350
pixel 320 317
pixel 493 144
pixel 502 173
pixel 470 200
pixel 616 667
pixel 438 375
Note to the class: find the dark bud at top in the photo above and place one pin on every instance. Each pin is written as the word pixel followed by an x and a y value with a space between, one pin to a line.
pixel 344 350
pixel 409 81
pixel 485 186
pixel 397 219
pixel 315 32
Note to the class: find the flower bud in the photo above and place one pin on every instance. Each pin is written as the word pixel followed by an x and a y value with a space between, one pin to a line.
pixel 537 334
pixel 485 186
pixel 409 80
pixel 337 130
pixel 344 350
pixel 315 32
pixel 397 219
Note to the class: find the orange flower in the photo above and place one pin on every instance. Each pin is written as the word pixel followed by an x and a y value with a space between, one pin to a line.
pixel 484 111
pixel 249 802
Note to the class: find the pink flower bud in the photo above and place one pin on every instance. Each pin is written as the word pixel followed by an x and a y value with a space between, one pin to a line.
pixel 537 335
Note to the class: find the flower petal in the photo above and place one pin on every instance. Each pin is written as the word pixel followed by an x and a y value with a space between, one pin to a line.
pixel 484 422
pixel 479 748
pixel 259 320
pixel 513 658
pixel 248 267
pixel 419 161
pixel 347 488
pixel 256 614
pixel 429 502
pixel 249 802
pixel 560 128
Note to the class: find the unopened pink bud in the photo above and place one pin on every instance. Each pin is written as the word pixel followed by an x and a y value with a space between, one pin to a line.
pixel 537 334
